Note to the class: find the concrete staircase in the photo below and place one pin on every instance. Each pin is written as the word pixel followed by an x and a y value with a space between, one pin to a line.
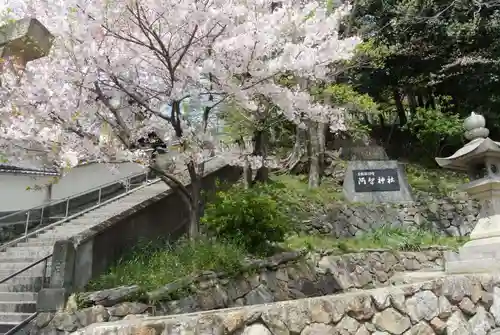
pixel 18 294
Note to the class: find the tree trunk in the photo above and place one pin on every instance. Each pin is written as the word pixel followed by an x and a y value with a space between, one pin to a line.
pixel 431 103
pixel 190 199
pixel 247 173
pixel 420 99
pixel 381 120
pixel 399 107
pixel 322 129
pixel 194 218
pixel 313 153
pixel 247 168
pixel 412 102
pixel 299 148
pixel 261 142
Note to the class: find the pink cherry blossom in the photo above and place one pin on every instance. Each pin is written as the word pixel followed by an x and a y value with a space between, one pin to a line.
pixel 113 65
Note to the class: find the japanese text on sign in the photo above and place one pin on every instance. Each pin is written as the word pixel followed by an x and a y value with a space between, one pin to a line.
pixel 381 180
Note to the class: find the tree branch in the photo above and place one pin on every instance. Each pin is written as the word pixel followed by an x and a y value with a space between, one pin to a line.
pixel 172 181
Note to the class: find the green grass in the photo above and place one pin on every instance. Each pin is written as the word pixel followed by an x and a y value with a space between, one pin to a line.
pixel 295 193
pixel 382 238
pixel 153 265
pixel 435 181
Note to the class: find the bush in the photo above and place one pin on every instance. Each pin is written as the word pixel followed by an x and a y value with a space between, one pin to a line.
pixel 251 218
pixel 436 129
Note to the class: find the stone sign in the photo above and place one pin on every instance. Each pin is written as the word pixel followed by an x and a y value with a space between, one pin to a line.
pixel 376 182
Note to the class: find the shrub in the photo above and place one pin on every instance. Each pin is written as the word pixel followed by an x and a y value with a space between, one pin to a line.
pixel 251 218
pixel 436 129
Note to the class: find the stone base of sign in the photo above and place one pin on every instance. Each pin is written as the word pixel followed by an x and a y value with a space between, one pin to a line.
pixel 403 195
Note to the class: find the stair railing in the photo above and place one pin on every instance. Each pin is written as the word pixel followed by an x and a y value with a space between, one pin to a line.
pixel 126 182
pixel 26 321
pixel 20 326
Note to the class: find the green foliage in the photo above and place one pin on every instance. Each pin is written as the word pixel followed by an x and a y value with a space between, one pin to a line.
pixel 344 95
pixel 152 265
pixel 429 49
pixel 240 124
pixel 435 128
pixel 264 214
pixel 385 237
pixel 249 217
pixel 361 105
pixel 369 54
pixel 434 181
pixel 236 122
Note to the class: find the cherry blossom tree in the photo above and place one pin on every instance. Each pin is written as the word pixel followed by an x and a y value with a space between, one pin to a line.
pixel 120 70
pixel 300 41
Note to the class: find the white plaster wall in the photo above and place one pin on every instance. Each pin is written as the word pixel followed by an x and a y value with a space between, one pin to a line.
pixel 13 193
pixel 14 196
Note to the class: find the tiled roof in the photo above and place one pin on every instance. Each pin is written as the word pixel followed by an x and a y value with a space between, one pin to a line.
pixel 6 168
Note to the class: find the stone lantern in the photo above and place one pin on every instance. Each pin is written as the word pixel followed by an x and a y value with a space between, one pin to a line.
pixel 480 158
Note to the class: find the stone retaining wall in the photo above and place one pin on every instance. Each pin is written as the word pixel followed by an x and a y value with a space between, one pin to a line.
pixel 458 305
pixel 447 217
pixel 287 276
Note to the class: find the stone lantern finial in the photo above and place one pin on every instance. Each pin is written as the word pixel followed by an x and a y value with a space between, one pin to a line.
pixel 475 127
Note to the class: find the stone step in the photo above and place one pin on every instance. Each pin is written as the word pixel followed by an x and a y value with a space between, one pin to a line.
pixel 22 259
pixel 21 265
pixel 17 307
pixel 68 228
pixel 32 272
pixel 34 242
pixel 64 233
pixel 402 278
pixel 26 254
pixel 6 326
pixel 54 236
pixel 18 296
pixel 24 284
pixel 35 271
pixel 109 213
pixel 108 209
pixel 13 317
pixel 83 221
